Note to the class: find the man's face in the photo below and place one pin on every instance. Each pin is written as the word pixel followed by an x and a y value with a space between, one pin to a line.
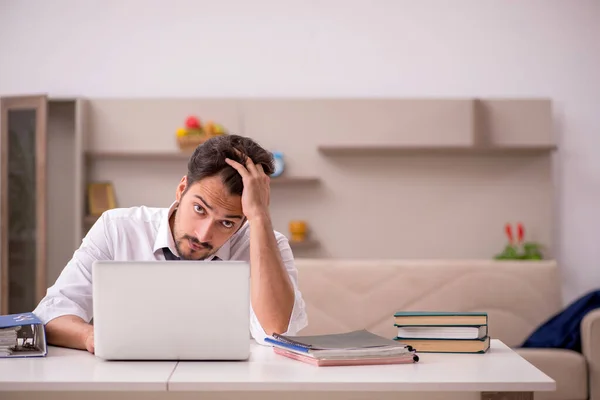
pixel 207 216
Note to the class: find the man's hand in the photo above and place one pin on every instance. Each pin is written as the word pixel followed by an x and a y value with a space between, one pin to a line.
pixel 89 342
pixel 71 331
pixel 256 193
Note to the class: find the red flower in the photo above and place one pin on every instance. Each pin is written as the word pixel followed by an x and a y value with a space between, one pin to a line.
pixel 509 233
pixel 520 232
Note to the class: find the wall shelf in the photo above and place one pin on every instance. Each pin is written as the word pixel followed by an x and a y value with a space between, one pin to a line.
pixel 306 244
pixel 464 133
pixel 292 180
pixel 176 156
pixel 138 155
pixel 367 149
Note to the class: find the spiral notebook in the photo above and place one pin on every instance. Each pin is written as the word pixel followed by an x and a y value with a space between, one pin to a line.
pixel 351 348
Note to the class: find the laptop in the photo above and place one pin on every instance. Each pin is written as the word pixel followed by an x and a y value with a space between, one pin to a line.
pixel 171 310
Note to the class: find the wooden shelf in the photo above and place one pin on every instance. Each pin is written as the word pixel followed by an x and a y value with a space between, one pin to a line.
pixel 292 180
pixel 175 156
pixel 307 244
pixel 138 155
pixel 358 150
pixel 62 99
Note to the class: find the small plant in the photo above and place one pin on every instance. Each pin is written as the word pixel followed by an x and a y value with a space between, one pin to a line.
pixel 518 249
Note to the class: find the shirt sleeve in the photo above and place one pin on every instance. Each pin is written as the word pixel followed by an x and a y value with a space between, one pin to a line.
pixel 298 319
pixel 71 294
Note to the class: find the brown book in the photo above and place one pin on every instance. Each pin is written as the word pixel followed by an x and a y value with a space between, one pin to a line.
pixel 448 345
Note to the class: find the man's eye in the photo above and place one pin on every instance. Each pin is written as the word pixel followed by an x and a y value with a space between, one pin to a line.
pixel 228 224
pixel 198 209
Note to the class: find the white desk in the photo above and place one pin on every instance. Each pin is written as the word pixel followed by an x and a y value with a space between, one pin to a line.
pixel 499 370
pixel 77 370
pixel 500 373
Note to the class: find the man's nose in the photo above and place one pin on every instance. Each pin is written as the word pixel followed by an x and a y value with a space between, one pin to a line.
pixel 204 232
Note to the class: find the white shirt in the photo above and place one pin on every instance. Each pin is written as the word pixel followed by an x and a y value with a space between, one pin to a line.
pixel 139 234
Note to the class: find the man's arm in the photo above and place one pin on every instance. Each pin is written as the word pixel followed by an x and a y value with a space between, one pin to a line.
pixel 71 331
pixel 67 307
pixel 272 293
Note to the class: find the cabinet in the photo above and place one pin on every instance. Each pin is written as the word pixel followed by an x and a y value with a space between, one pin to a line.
pixel 40 177
pixel 477 127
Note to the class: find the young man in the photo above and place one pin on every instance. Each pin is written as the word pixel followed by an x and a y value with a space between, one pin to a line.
pixel 221 212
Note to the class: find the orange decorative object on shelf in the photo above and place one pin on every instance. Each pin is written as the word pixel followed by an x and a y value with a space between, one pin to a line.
pixel 298 230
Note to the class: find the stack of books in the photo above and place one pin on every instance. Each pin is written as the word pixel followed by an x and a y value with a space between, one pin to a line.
pixel 443 332
pixel 22 335
pixel 352 348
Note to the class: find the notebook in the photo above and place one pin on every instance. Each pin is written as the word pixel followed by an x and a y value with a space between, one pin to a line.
pixel 335 362
pixel 351 348
pixel 22 335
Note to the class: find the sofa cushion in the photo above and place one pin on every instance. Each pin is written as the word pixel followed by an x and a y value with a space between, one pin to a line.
pixel 568 368
pixel 344 295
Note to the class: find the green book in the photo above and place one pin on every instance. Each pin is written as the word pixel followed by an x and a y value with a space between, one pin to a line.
pixel 440 318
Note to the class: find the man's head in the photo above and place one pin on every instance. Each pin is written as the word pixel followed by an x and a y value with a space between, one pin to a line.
pixel 210 195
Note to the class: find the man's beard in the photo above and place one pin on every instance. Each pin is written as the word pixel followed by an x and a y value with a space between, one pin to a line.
pixel 203 245
pixel 179 242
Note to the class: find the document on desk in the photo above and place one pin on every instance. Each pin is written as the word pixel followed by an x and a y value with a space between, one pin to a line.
pixel 355 340
pixel 22 335
pixel 350 348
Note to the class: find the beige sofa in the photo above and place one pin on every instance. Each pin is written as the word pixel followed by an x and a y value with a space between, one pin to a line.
pixel 344 295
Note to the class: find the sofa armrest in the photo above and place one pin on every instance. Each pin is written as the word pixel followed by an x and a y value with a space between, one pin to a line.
pixel 590 347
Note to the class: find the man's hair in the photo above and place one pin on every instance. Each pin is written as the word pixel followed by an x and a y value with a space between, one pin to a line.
pixel 209 160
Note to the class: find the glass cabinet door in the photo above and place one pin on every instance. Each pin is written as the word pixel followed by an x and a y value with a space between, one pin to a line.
pixel 22 202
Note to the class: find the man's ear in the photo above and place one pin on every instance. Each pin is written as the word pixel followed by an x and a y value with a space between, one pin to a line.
pixel 181 188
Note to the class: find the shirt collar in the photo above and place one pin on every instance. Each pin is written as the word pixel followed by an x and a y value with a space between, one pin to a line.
pixel 164 238
pixel 224 253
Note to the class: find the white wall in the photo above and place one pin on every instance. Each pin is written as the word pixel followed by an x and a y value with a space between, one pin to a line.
pixel 371 48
